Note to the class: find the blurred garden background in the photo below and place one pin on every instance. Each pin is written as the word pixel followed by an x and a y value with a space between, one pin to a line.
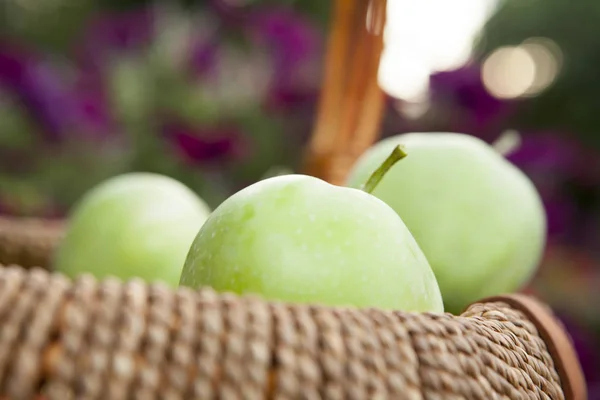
pixel 218 93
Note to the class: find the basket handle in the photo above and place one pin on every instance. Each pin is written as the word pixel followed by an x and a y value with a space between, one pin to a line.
pixel 351 102
pixel 556 339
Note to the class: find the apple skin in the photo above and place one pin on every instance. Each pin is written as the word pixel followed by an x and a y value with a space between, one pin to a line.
pixel 478 218
pixel 133 225
pixel 299 239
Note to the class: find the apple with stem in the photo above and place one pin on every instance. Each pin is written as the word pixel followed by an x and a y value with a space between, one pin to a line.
pixel 477 217
pixel 133 225
pixel 299 239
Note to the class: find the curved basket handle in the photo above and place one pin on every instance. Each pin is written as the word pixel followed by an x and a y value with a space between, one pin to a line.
pixel 351 101
pixel 557 341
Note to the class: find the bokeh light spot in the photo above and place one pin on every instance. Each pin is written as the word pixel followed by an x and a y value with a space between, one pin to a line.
pixel 509 72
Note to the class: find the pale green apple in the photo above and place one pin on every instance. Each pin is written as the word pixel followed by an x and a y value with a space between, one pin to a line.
pixel 133 225
pixel 299 239
pixel 477 217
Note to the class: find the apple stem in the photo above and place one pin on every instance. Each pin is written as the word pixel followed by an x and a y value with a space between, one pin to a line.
pixel 396 155
pixel 508 142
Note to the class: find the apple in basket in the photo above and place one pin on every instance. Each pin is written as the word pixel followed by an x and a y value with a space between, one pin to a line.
pixel 477 217
pixel 299 239
pixel 133 225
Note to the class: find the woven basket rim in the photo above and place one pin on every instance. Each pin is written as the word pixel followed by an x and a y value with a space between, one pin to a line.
pixel 556 338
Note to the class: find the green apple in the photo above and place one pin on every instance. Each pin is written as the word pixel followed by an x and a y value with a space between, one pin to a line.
pixel 299 239
pixel 133 225
pixel 477 217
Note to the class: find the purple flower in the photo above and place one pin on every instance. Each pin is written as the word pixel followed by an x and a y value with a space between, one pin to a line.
pixel 554 162
pixel 93 109
pixel 111 32
pixel 282 37
pixel 61 106
pixel 13 63
pixel 203 57
pixel 295 50
pixel 594 391
pixel 561 214
pixel 290 37
pixel 107 35
pixel 93 114
pixel 462 90
pixel 231 13
pixel 547 158
pixel 546 154
pixel 282 98
pixel 41 89
pixel 207 144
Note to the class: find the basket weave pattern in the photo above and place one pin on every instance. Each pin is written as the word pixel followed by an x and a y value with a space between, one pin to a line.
pixel 29 242
pixel 92 339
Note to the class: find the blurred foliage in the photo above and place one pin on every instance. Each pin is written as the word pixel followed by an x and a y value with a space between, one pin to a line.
pixel 570 103
pixel 48 24
pixel 211 94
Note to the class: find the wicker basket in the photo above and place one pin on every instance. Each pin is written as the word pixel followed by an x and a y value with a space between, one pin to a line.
pixel 88 339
